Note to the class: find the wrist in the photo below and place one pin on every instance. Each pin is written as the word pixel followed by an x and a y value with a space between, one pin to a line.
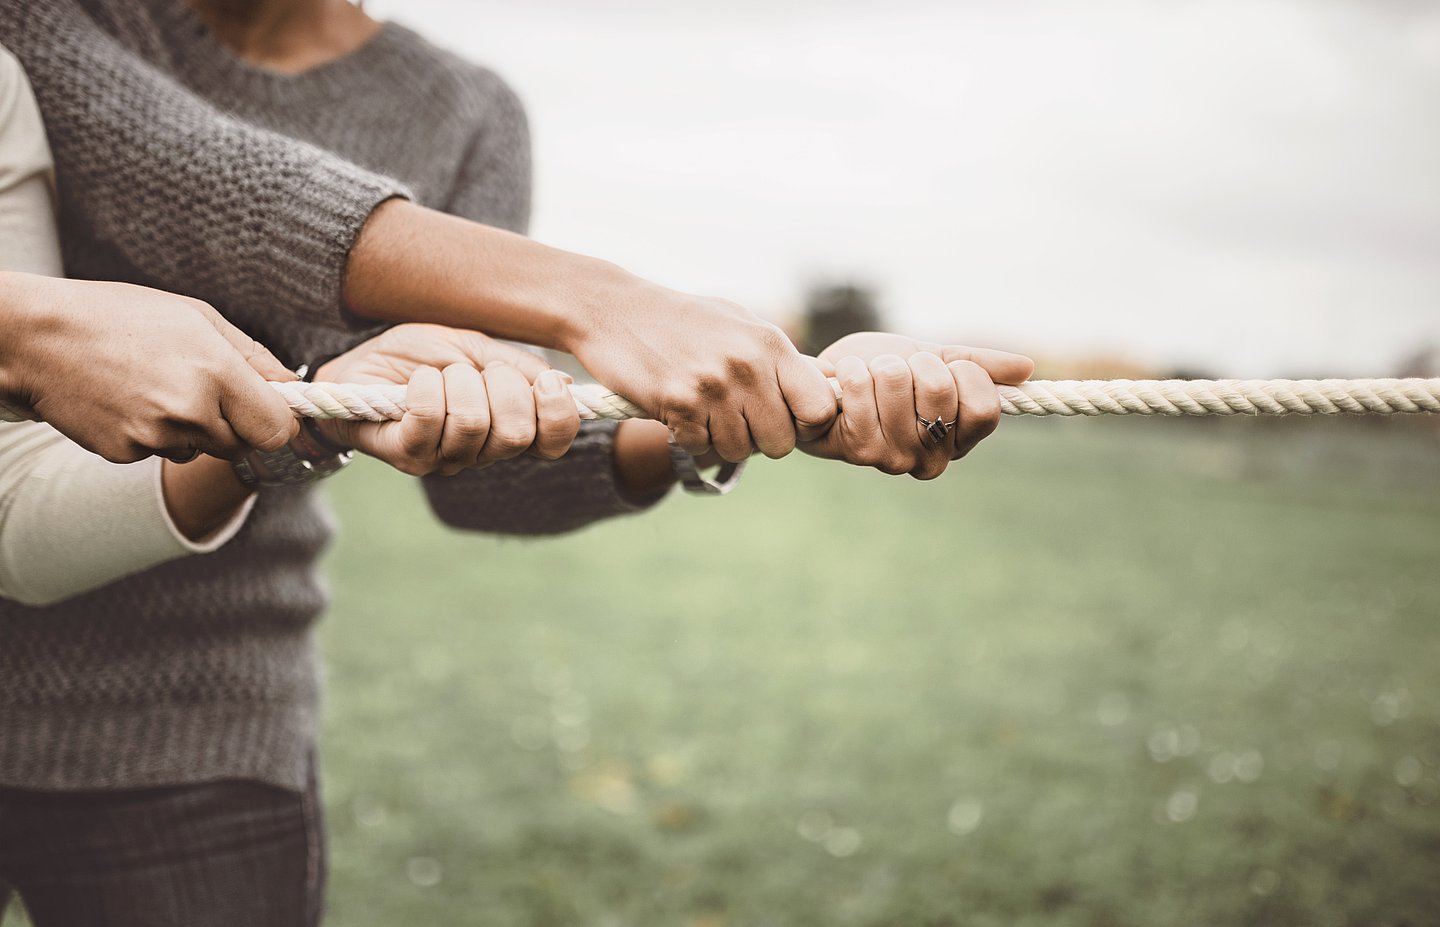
pixel 603 287
pixel 306 459
pixel 23 311
pixel 642 459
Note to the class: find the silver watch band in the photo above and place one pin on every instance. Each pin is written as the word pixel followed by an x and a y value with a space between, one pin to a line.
pixel 694 481
pixel 304 460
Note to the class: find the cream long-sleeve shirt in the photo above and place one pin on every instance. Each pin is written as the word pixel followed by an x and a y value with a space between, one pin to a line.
pixel 69 521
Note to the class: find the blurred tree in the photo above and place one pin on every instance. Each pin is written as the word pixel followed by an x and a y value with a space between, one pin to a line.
pixel 833 311
pixel 1424 362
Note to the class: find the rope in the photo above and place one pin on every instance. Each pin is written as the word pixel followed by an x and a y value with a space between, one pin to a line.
pixel 1038 397
pixel 379 403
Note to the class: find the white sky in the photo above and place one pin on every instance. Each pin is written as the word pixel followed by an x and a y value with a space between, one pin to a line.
pixel 1250 186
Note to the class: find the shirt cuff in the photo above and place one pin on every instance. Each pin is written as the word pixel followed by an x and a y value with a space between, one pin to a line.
pixel 216 539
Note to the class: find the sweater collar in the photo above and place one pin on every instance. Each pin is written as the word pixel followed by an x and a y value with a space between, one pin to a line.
pixel 203 59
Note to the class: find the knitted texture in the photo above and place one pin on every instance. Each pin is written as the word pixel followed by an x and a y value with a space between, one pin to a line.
pixel 186 169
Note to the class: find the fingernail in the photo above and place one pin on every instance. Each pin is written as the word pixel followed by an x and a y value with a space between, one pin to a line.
pixel 550 384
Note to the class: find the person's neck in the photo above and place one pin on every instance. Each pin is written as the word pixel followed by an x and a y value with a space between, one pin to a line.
pixel 289 36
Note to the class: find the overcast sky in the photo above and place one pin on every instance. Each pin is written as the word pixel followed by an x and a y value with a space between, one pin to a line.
pixel 1248 186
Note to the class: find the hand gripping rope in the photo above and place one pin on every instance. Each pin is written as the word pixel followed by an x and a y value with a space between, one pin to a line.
pixel 378 403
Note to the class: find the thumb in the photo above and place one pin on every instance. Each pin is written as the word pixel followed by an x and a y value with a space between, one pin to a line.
pixel 482 350
pixel 1002 366
pixel 258 414
pixel 809 395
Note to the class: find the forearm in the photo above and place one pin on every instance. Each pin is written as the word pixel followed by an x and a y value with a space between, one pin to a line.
pixel 413 264
pixel 203 496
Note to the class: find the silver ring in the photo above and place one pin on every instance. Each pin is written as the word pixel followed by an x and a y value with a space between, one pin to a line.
pixel 182 457
pixel 937 430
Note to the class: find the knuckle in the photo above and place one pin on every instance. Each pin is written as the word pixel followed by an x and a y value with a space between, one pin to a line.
pixel 982 422
pixel 864 457
pixel 279 434
pixel 775 338
pixel 508 441
pixel 418 447
pixel 454 456
pixel 412 466
pixel 929 470
pixel 892 467
pixel 468 426
pixel 154 435
pixel 229 448
pixel 741 371
pixel 123 452
pixel 891 374
pixel 778 449
pixel 711 388
pixel 678 404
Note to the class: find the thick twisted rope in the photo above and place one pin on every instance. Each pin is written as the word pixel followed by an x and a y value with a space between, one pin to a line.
pixel 1038 397
pixel 379 403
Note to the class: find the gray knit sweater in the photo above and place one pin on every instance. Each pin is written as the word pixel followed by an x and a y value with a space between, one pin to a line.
pixel 181 167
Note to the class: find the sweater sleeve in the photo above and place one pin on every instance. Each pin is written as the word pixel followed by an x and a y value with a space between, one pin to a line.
pixel 27 210
pixel 71 521
pixel 264 219
pixel 524 495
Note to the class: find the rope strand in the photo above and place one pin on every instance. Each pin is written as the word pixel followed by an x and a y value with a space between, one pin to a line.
pixel 379 403
pixel 1038 397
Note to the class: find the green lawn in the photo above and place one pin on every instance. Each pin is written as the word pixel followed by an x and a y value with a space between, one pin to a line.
pixel 1129 673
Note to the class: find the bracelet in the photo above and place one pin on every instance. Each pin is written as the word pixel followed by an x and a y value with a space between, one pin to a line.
pixel 694 481
pixel 308 457
pixel 289 466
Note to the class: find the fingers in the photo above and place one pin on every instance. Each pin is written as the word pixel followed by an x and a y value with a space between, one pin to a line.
pixel 483 351
pixel 772 429
pixel 730 435
pixel 979 406
pixel 690 433
pixel 256 415
pixel 512 414
pixel 861 418
pixel 467 418
pixel 808 394
pixel 936 399
pixel 999 366
pixel 895 402
pixel 557 421
pixel 416 441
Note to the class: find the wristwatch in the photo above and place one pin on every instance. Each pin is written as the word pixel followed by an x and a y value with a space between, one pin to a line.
pixel 306 459
pixel 694 481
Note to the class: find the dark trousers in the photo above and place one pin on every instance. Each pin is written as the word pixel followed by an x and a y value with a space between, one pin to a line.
pixel 222 854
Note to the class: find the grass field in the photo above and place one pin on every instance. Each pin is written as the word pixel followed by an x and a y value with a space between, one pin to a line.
pixel 1119 673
